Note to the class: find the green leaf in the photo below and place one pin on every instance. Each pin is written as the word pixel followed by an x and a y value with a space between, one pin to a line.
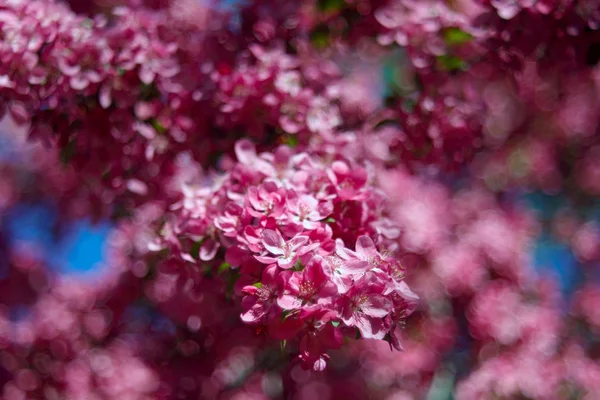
pixel 290 140
pixel 158 127
pixel 298 266
pixel 456 36
pixel 330 5
pixel 195 250
pixel 258 285
pixel 451 63
pixel 320 37
pixel 335 323
pixel 224 267
pixel 330 220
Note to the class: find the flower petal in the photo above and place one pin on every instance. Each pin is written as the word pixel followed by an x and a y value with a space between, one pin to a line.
pixel 266 260
pixel 370 328
pixel 254 314
pixel 245 151
pixel 209 249
pixel 289 302
pixel 365 247
pixel 297 242
pixel 353 267
pixel 376 306
pixel 273 241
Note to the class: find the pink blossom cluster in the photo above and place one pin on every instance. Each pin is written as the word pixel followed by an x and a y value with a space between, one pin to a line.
pixel 87 82
pixel 309 240
pixel 277 91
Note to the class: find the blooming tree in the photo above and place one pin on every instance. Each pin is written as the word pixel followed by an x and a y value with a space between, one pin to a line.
pixel 289 224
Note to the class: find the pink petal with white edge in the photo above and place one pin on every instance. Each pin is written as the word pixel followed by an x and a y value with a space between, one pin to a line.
pixel 273 241
pixel 376 306
pixel 209 249
pixel 365 246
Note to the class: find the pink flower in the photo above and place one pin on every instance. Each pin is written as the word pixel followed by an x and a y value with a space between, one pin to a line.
pixel 265 199
pixel 311 286
pixel 288 82
pixel 260 298
pixel 365 307
pixel 365 251
pixel 343 267
pixel 286 253
pixel 307 211
pixel 231 220
pixel 348 182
